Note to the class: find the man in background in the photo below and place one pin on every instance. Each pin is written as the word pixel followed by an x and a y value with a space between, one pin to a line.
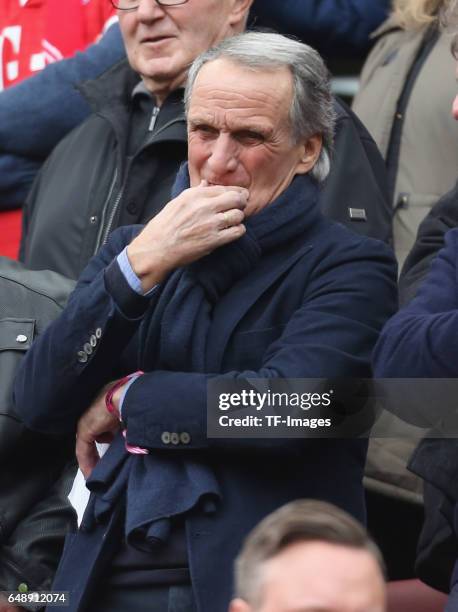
pixel 309 556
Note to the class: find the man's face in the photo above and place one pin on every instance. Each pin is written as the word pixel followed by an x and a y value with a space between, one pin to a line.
pixel 319 577
pixel 239 132
pixel 162 41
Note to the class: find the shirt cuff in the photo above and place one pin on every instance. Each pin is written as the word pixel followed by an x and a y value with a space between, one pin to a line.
pixel 130 276
pixel 125 390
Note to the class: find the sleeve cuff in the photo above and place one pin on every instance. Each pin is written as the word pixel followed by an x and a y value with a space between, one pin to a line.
pixel 125 390
pixel 129 302
pixel 130 276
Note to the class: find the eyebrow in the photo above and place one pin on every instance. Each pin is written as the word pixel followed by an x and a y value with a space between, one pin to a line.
pixel 257 129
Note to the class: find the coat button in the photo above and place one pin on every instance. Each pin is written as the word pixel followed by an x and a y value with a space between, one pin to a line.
pixel 174 438
pixel 98 333
pixel 185 438
pixel 93 341
pixel 132 208
pixel 87 348
pixel 165 437
pixel 82 357
pixel 21 338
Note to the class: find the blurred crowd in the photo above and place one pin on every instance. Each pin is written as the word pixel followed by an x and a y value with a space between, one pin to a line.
pixel 95 123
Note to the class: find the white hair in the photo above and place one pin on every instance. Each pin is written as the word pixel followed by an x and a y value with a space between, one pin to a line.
pixel 312 110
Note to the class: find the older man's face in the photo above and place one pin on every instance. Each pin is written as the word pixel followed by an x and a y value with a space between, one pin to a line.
pixel 162 41
pixel 239 132
pixel 318 576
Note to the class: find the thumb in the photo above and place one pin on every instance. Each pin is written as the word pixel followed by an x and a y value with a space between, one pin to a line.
pixel 86 455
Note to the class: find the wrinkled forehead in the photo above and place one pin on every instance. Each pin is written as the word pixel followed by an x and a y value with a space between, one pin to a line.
pixel 225 85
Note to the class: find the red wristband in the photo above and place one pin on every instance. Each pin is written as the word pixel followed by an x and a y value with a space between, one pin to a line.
pixel 112 390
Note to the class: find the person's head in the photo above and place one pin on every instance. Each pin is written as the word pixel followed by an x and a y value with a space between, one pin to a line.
pixel 260 111
pixel 162 38
pixel 309 556
pixel 417 14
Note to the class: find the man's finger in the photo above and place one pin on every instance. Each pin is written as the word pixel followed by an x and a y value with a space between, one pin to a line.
pixel 231 233
pixel 229 218
pixel 87 456
pixel 229 200
pixel 214 190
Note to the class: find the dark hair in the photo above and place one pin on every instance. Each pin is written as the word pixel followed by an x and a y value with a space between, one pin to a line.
pixel 298 521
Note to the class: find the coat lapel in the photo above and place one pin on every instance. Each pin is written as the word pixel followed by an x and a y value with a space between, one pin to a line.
pixel 236 303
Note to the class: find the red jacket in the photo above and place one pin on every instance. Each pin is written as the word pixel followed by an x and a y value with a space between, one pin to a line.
pixel 34 33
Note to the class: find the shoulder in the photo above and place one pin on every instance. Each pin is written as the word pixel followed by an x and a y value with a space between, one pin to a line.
pixel 87 135
pixel 338 242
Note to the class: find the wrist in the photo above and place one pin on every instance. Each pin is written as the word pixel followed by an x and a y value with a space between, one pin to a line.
pixel 149 268
pixel 116 392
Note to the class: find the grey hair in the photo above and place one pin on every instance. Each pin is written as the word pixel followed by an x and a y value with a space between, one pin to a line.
pixel 312 110
pixel 299 521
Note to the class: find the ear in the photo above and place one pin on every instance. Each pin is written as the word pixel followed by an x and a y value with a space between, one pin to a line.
pixel 309 154
pixel 239 605
pixel 239 14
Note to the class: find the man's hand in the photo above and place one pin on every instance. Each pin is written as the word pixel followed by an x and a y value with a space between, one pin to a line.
pixel 96 425
pixel 191 226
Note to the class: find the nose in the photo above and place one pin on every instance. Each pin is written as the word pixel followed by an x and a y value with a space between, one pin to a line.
pixel 149 9
pixel 223 157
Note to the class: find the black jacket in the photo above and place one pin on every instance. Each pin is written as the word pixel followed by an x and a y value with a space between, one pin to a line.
pixel 429 241
pixel 88 186
pixel 34 510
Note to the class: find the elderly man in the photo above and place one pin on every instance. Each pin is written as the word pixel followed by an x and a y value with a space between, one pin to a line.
pixel 238 276
pixel 117 168
pixel 307 556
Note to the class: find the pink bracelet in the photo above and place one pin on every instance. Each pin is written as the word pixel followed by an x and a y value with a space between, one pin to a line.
pixel 134 450
pixel 112 390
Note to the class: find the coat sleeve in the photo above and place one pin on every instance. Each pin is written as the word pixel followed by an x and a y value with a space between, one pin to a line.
pixel 37 113
pixel 429 241
pixel 79 352
pixel 332 26
pixel 16 177
pixel 332 334
pixel 421 340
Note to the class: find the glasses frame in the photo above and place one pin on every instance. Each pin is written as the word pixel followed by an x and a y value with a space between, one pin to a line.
pixel 160 2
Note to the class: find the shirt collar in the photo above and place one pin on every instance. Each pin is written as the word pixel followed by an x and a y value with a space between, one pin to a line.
pixel 141 90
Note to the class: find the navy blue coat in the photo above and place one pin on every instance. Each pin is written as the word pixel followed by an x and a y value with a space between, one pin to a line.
pixel 334 27
pixel 313 309
pixel 37 113
pixel 418 342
